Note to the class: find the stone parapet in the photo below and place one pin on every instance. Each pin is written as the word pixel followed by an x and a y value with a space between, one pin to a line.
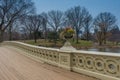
pixel 102 65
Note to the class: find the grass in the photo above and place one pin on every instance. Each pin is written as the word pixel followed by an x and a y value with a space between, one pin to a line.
pixel 81 45
pixel 42 42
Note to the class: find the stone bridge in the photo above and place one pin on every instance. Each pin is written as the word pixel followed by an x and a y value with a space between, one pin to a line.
pixel 20 61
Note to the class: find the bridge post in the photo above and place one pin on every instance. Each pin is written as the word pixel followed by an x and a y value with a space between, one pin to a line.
pixel 65 60
pixel 65 56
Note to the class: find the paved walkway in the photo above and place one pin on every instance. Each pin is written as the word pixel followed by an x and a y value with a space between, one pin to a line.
pixel 15 66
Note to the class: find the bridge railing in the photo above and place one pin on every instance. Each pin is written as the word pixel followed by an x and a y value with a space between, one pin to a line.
pixel 102 65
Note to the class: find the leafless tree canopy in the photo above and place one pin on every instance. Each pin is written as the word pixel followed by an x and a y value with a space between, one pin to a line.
pixel 76 17
pixel 104 22
pixel 44 23
pixel 32 24
pixel 55 19
pixel 19 17
pixel 87 26
pixel 10 10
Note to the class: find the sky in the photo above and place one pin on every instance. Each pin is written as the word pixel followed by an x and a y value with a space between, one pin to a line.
pixel 93 6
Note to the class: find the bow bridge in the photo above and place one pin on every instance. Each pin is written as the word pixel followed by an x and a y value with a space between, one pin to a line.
pixel 20 61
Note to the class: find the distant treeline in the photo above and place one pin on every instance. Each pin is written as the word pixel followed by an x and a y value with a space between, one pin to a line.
pixel 18 20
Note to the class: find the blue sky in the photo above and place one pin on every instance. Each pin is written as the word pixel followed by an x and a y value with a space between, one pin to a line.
pixel 93 6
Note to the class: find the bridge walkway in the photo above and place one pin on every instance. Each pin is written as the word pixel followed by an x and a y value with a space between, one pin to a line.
pixel 15 66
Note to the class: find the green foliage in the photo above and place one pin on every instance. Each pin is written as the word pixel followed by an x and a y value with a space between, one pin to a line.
pixel 53 36
pixel 82 44
pixel 67 32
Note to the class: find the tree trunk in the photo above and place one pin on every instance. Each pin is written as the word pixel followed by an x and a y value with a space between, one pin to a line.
pixel 45 35
pixel 35 37
pixel 55 38
pixel 100 38
pixel 87 35
pixel 35 40
pixel 10 33
pixel 100 43
pixel 77 36
pixel 104 41
pixel 104 36
pixel 1 35
pixel 30 35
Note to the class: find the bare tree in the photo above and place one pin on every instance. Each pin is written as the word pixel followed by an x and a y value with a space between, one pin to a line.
pixel 104 22
pixel 115 33
pixel 10 10
pixel 32 24
pixel 26 27
pixel 12 28
pixel 87 26
pixel 44 24
pixel 55 21
pixel 76 17
pixel 25 35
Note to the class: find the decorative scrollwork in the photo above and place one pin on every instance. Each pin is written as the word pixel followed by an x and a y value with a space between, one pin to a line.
pixel 111 67
pixel 89 62
pixel 99 64
pixel 80 61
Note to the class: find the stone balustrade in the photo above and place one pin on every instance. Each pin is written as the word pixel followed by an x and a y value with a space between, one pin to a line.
pixel 102 65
